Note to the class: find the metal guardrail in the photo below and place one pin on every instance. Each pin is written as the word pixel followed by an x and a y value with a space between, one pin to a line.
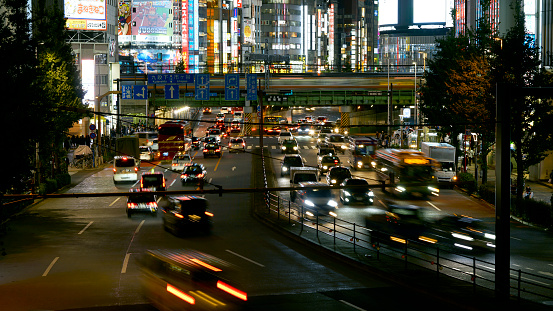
pixel 353 238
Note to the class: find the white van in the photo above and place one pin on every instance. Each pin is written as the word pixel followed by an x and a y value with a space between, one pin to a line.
pixel 238 115
pixel 125 169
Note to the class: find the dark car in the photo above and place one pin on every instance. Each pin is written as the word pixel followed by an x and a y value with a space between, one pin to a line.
pixel 186 214
pixel 328 161
pixel 153 180
pixel 196 142
pixel 359 191
pixel 325 149
pixel 212 150
pixel 289 146
pixel 142 201
pixel 208 140
pixel 337 174
pixel 290 160
pixel 193 173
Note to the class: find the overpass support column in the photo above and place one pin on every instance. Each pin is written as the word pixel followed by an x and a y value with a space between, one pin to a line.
pixel 248 120
pixel 344 119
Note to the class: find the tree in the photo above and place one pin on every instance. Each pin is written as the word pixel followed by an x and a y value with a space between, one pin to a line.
pixel 60 86
pixel 19 91
pixel 518 64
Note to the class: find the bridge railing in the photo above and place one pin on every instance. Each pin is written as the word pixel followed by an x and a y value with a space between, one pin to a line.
pixel 369 246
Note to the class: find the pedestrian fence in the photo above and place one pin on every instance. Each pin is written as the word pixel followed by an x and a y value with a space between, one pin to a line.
pixel 358 241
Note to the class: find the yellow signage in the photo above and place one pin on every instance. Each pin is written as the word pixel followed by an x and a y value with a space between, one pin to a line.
pixel 416 161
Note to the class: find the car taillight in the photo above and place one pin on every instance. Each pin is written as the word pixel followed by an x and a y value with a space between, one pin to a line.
pixel 114 170
pixel 182 295
pixel 183 175
pixel 152 204
pixel 231 290
pixel 200 175
pixel 136 169
pixel 132 205
pixel 218 149
pixel 209 214
pixel 163 183
pixel 336 161
pixel 244 144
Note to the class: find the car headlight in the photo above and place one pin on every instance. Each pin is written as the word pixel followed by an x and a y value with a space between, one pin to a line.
pixel 400 188
pixel 332 203
pixel 325 167
pixel 347 194
pixel 283 147
pixel 343 147
pixel 284 169
pixel 433 189
pixel 320 158
pixel 295 148
pixel 309 203
pixel 311 132
pixel 359 164
pixel 370 193
pixel 318 140
pixel 489 236
pixel 333 181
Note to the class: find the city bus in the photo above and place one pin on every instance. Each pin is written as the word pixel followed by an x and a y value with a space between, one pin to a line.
pixel 410 171
pixel 172 140
pixel 361 152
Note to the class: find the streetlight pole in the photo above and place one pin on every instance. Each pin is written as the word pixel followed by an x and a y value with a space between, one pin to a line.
pixel 416 117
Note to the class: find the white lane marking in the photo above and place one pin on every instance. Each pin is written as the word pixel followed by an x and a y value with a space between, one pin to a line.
pixel 529 279
pixel 245 258
pixel 351 305
pixel 273 147
pixel 115 201
pixel 173 182
pixel 209 181
pixel 139 226
pixel 135 183
pixel 434 206
pixel 305 147
pixel 50 266
pixel 313 147
pixel 546 273
pixel 158 199
pixel 233 168
pixel 249 147
pixel 125 263
pixel 86 227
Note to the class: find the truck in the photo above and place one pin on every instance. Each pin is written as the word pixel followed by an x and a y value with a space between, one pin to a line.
pixel 445 154
pixel 128 146
pixel 301 174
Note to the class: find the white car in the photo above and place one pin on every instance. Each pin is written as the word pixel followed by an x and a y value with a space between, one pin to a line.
pixel 180 161
pixel 216 133
pixel 237 145
pixel 146 153
pixel 283 136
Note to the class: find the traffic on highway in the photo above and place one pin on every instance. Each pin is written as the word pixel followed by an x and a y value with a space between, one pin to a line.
pixel 145 250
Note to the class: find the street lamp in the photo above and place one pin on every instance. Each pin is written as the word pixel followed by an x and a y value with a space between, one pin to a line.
pixel 416 117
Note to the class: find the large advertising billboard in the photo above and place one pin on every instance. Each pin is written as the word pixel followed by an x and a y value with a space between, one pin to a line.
pixel 387 12
pixel 85 14
pixel 432 11
pixel 152 20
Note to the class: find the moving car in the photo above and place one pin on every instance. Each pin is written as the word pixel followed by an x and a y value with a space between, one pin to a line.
pixel 154 181
pixel 179 161
pixel 283 136
pixel 155 146
pixel 212 149
pixel 237 145
pixel 359 191
pixel 207 110
pixel 291 160
pixel 289 146
pixel 193 173
pixel 315 201
pixel 337 174
pixel 304 129
pixel 186 214
pixel 141 201
pixel 220 117
pixel 125 169
pixel 328 161
pixel 209 140
pixel 325 149
pixel 217 133
pixel 339 142
pixel 185 279
pixel 196 142
pixel 146 153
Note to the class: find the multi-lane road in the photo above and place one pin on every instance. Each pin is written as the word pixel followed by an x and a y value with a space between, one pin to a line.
pixel 81 253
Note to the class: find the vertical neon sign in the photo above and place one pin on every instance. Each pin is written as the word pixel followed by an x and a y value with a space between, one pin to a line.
pixel 185 34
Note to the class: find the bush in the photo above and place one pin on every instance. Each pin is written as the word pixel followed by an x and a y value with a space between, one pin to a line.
pixel 49 186
pixel 467 182
pixel 63 180
pixel 533 211
pixel 487 192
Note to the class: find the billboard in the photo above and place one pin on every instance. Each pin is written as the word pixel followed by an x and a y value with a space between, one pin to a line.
pixel 124 18
pixel 388 12
pixel 85 14
pixel 432 11
pixel 151 19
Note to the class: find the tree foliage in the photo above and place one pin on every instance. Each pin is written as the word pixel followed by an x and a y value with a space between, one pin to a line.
pixel 43 82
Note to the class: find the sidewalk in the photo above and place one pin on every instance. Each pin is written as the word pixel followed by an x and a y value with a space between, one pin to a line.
pixel 542 189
